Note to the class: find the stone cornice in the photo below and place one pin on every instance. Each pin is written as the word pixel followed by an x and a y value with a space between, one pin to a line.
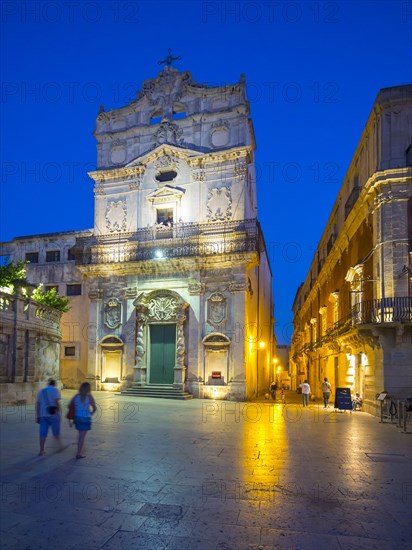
pixel 183 266
pixel 193 158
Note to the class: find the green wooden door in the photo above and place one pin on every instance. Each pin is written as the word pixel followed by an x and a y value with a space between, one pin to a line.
pixel 162 353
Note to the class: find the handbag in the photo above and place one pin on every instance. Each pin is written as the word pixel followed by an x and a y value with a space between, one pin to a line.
pixel 71 411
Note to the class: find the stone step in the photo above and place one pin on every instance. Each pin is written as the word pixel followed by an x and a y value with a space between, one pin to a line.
pixel 158 391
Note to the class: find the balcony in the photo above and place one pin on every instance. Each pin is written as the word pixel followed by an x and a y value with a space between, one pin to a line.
pixel 388 310
pixel 166 242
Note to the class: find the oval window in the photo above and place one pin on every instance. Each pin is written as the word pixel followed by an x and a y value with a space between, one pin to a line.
pixel 168 175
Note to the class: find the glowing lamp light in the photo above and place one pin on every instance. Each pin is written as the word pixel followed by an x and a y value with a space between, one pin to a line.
pixel 262 344
pixel 159 255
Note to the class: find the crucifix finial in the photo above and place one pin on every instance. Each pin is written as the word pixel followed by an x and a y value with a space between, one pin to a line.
pixel 169 58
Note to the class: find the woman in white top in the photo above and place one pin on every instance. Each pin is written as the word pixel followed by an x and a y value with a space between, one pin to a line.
pixel 84 408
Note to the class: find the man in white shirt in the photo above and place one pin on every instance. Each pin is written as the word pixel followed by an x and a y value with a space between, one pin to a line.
pixel 326 392
pixel 305 393
pixel 48 413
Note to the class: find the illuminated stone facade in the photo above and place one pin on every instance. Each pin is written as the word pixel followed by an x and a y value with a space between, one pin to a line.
pixel 30 339
pixel 175 282
pixel 353 313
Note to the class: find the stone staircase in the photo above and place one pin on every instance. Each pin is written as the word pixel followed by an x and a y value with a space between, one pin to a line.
pixel 160 391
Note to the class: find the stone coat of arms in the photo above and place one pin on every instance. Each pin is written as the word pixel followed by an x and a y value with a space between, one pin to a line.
pixel 216 309
pixel 112 313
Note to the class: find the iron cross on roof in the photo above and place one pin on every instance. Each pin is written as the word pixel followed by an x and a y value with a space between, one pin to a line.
pixel 169 58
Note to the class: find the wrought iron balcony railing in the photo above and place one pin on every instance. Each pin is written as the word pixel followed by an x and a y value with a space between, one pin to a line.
pixel 386 310
pixel 174 241
pixel 369 312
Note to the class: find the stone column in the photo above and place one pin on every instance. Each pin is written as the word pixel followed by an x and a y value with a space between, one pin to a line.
pixel 140 373
pixel 180 369
pixel 94 357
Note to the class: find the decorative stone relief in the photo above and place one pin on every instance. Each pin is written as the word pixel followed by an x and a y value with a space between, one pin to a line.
pixel 130 292
pixel 216 274
pixel 99 188
pixel 95 294
pixel 169 133
pixel 239 286
pixel 135 182
pixel 163 91
pixel 220 124
pixel 240 169
pixel 219 204
pixel 112 313
pixel 162 308
pixel 180 344
pixel 166 162
pixel 116 216
pixel 196 288
pixel 199 174
pixel 216 339
pixel 216 309
pixel 141 320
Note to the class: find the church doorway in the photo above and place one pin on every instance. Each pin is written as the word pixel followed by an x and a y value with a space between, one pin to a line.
pixel 162 353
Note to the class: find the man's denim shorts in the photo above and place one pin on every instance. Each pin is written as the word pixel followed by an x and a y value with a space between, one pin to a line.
pixel 50 421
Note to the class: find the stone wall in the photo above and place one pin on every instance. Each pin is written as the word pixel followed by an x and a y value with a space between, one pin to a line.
pixel 29 348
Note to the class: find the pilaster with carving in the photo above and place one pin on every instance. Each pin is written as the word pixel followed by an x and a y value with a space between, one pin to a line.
pixel 93 357
pixel 180 369
pixel 140 376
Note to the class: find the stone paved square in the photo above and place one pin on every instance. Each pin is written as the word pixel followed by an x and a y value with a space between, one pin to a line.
pixel 208 475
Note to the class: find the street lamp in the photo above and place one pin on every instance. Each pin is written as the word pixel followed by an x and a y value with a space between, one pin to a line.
pixel 261 346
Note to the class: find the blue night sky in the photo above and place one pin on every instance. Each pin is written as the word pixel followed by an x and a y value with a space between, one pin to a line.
pixel 313 71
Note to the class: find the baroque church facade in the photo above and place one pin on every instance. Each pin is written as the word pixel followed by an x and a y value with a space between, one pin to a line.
pixel 172 286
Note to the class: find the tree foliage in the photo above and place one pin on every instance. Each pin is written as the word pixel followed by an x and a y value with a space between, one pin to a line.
pixel 51 298
pixel 14 274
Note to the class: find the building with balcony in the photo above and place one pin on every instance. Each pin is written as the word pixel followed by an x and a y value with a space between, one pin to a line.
pixel 172 286
pixel 353 313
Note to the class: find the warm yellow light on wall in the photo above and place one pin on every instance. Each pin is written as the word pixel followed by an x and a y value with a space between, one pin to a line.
pixel 262 344
pixel 250 344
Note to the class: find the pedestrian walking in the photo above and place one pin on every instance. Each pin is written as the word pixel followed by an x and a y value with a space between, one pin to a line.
pixel 273 390
pixel 84 407
pixel 305 393
pixel 326 388
pixel 48 414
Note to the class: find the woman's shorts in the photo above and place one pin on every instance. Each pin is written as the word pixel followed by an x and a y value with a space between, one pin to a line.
pixel 82 424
